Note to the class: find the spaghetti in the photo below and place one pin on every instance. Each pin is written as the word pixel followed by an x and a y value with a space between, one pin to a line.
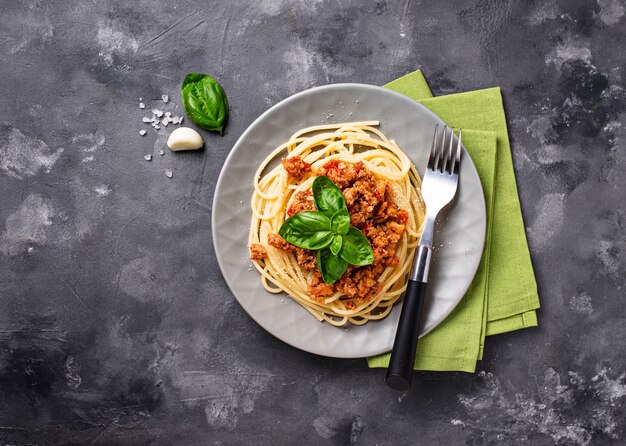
pixel 351 154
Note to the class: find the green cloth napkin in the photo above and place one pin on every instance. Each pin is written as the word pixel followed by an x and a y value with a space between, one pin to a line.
pixel 503 295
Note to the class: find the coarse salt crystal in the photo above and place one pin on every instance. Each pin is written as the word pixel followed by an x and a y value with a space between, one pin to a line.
pixel 144 119
pixel 142 105
pixel 142 132
pixel 157 127
pixel 161 152
pixel 168 114
pixel 148 157
pixel 164 122
pixel 165 98
pixel 169 173
pixel 158 113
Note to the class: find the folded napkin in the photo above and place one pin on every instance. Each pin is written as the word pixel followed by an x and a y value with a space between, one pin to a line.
pixel 503 295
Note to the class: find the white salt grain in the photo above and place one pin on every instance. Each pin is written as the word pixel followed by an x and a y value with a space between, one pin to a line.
pixel 144 119
pixel 169 173
pixel 142 132
pixel 142 105
pixel 165 98
pixel 161 152
pixel 148 157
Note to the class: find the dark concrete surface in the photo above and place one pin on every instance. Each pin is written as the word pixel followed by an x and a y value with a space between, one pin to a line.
pixel 115 324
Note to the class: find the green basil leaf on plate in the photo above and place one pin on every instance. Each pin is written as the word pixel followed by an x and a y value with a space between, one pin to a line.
pixel 308 230
pixel 340 223
pixel 335 245
pixel 327 196
pixel 205 102
pixel 356 248
pixel 332 267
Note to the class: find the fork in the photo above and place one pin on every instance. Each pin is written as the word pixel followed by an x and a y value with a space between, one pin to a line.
pixel 438 189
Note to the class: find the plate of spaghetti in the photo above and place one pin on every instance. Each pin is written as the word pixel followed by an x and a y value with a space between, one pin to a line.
pixel 317 213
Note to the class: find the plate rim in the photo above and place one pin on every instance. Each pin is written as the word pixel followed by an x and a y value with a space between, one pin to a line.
pixel 251 127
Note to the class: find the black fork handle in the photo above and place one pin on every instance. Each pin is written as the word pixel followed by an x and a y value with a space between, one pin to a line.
pixel 402 358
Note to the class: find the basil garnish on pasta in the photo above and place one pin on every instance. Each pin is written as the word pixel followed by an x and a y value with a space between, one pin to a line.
pixel 328 231
pixel 331 266
pixel 328 197
pixel 308 230
pixel 356 249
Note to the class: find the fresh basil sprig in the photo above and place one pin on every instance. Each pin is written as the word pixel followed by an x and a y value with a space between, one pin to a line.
pixel 328 232
pixel 310 230
pixel 331 266
pixel 205 102
pixel 328 197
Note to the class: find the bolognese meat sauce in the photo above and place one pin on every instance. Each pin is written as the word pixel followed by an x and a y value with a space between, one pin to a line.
pixel 372 210
pixel 296 167
pixel 257 251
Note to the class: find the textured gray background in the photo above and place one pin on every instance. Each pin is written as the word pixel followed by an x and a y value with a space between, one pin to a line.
pixel 115 324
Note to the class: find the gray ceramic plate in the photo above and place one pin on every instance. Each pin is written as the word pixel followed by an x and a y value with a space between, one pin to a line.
pixel 459 242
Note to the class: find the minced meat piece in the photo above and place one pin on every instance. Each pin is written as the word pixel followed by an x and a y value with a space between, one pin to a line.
pixel 277 241
pixel 318 289
pixel 302 201
pixel 360 283
pixel 307 259
pixel 257 251
pixel 296 167
pixel 340 172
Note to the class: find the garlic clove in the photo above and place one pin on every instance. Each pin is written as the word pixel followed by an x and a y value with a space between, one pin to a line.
pixel 184 138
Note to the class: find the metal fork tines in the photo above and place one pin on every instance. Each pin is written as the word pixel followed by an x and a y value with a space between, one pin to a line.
pixel 438 189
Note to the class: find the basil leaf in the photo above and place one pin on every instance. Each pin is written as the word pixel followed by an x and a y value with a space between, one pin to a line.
pixel 340 223
pixel 308 230
pixel 328 197
pixel 356 249
pixel 205 102
pixel 335 245
pixel 332 267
